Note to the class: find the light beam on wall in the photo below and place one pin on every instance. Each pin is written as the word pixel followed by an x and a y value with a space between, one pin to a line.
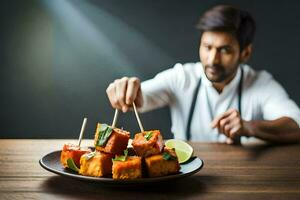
pixel 93 34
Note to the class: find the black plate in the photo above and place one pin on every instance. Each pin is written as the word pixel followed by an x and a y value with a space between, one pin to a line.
pixel 51 162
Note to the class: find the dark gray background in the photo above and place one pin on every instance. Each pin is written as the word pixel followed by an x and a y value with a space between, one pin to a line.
pixel 58 57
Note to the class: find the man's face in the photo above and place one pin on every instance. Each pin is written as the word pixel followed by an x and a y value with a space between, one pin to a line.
pixel 220 55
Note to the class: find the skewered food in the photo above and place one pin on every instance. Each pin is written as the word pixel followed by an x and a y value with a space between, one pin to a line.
pixel 148 158
pixel 148 143
pixel 111 140
pixel 74 152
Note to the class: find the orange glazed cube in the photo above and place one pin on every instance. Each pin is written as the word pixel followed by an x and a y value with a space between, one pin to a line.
pixel 96 163
pixel 110 140
pixel 72 151
pixel 148 143
pixel 131 168
pixel 162 164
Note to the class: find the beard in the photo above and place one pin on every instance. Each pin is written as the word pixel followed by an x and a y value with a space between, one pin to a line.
pixel 218 73
pixel 215 73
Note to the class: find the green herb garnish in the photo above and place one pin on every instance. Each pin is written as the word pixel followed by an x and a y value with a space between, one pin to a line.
pixel 168 156
pixel 90 155
pixel 103 135
pixel 121 158
pixel 148 135
pixel 71 165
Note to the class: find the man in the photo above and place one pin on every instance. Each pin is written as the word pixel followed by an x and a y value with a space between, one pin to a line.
pixel 220 99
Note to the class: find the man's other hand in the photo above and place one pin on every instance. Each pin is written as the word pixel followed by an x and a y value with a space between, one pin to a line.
pixel 230 124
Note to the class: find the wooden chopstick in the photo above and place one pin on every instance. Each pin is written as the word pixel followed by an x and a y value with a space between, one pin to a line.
pixel 137 117
pixel 82 131
pixel 115 118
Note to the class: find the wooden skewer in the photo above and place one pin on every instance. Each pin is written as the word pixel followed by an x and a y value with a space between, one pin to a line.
pixel 115 118
pixel 82 131
pixel 137 117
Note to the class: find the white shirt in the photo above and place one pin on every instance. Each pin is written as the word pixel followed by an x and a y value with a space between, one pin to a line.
pixel 263 98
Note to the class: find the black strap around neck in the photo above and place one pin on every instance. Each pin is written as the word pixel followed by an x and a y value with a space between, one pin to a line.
pixel 195 95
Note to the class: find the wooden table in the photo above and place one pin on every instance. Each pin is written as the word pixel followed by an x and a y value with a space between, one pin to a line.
pixel 230 172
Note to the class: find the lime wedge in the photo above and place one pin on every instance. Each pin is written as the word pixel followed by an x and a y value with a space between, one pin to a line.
pixel 72 165
pixel 183 150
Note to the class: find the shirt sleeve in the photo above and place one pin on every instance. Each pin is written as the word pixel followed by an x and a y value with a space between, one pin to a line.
pixel 160 90
pixel 275 102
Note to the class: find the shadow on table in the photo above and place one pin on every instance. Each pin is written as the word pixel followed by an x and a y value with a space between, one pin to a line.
pixel 71 188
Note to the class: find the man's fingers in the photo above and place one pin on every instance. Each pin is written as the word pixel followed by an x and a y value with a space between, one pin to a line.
pixel 132 90
pixel 222 121
pixel 121 87
pixel 122 92
pixel 215 122
pixel 235 128
pixel 116 93
pixel 139 98
pixel 230 121
pixel 230 124
pixel 229 141
pixel 226 129
pixel 111 93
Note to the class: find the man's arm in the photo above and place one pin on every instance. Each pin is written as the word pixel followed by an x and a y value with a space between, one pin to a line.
pixel 149 95
pixel 281 130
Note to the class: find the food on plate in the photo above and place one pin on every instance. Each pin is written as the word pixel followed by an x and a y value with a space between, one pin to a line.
pixel 111 140
pixel 148 143
pixel 74 152
pixel 162 164
pixel 127 167
pixel 96 164
pixel 115 157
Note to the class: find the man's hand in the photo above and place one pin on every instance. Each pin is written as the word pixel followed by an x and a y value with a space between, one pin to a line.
pixel 231 124
pixel 123 92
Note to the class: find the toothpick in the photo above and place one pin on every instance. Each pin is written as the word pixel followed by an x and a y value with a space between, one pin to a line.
pixel 82 131
pixel 137 117
pixel 115 118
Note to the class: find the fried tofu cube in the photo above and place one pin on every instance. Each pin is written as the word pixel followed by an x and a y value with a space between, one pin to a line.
pixel 116 143
pixel 98 165
pixel 148 143
pixel 131 168
pixel 72 151
pixel 162 164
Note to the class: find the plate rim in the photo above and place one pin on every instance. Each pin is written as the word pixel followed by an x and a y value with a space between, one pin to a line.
pixel 106 180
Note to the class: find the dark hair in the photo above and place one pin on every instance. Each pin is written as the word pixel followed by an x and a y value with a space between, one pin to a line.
pixel 229 19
